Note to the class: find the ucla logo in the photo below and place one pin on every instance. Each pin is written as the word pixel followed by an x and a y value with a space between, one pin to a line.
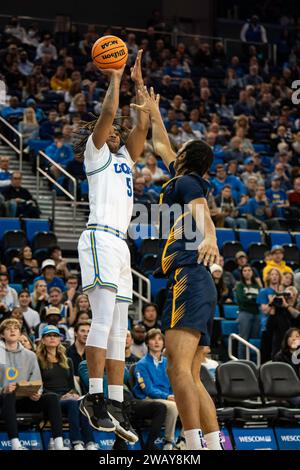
pixel 11 374
pixel 122 168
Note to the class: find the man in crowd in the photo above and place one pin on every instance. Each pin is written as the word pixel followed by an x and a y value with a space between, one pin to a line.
pixel 77 351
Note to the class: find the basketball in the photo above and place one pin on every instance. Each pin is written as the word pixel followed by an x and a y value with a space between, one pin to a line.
pixel 109 52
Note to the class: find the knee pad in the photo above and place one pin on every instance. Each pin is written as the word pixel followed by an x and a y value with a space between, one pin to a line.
pixel 98 335
pixel 116 348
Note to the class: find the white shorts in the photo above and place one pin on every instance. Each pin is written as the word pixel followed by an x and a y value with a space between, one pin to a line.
pixel 105 262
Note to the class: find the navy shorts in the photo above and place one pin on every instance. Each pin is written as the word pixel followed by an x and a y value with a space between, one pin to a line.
pixel 191 301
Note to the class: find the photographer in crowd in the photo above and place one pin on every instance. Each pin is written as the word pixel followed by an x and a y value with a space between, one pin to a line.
pixel 284 314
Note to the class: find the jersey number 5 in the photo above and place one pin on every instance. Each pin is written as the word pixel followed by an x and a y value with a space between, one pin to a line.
pixel 129 187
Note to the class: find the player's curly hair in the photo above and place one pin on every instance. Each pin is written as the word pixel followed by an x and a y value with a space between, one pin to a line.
pixel 80 137
pixel 198 157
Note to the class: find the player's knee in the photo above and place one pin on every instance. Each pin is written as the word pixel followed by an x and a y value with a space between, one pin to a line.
pixel 98 335
pixel 175 369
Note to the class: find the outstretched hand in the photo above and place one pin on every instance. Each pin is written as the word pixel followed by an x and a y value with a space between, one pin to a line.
pixel 149 101
pixel 136 70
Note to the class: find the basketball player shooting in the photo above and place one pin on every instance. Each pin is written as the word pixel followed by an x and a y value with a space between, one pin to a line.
pixel 104 255
pixel 191 298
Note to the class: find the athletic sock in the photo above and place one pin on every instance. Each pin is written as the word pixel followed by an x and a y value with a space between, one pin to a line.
pixel 95 386
pixel 194 439
pixel 15 443
pixel 214 440
pixel 58 443
pixel 115 392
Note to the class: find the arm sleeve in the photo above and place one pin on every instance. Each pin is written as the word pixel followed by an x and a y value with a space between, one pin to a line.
pixel 146 385
pixel 189 188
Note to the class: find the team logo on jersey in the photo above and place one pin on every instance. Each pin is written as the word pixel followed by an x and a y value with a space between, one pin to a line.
pixel 122 168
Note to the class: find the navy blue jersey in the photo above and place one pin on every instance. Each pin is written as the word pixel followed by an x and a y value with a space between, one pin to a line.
pixel 178 231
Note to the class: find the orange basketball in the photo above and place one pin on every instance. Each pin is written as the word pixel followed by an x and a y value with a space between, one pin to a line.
pixel 109 52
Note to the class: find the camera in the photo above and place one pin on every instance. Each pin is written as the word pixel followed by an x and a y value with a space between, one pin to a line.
pixel 278 299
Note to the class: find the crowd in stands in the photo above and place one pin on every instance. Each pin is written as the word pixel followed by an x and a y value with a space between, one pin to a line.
pixel 242 107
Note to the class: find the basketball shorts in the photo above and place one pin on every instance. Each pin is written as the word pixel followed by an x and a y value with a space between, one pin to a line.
pixel 105 262
pixel 191 301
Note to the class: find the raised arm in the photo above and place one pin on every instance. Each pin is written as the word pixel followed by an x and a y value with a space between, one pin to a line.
pixel 161 142
pixel 136 139
pixel 109 108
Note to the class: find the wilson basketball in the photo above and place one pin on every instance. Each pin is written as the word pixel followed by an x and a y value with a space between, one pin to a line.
pixel 109 52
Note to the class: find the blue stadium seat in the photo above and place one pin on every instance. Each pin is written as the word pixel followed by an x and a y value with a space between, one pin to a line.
pixel 7 224
pixel 139 232
pixel 224 235
pixel 33 226
pixel 249 236
pixel 217 312
pixel 156 285
pixel 279 238
pixel 229 326
pixel 256 342
pixel 230 311
pixel 297 239
pixel 17 287
pixel 261 147
pixel 36 145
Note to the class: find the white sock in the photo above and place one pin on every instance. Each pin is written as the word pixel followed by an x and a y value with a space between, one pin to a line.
pixel 115 392
pixel 194 439
pixel 15 443
pixel 58 443
pixel 95 386
pixel 213 440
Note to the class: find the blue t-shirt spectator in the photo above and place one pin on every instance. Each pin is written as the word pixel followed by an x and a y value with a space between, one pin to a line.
pixel 61 155
pixel 257 209
pixel 56 282
pixel 277 198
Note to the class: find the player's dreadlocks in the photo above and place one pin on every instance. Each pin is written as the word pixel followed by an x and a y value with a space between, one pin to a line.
pixel 198 158
pixel 80 137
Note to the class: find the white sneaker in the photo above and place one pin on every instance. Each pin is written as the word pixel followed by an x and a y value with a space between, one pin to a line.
pixel 168 446
pixel 91 446
pixel 51 445
pixel 78 446
pixel 63 448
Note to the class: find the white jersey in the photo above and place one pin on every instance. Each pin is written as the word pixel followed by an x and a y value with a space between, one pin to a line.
pixel 110 186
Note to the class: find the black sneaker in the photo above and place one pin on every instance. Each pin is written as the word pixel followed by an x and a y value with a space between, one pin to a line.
pixel 94 408
pixel 119 417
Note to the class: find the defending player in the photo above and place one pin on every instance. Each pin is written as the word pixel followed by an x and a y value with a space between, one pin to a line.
pixel 191 298
pixel 104 255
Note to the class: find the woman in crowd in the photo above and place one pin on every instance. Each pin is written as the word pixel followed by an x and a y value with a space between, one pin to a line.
pixel 82 304
pixel 273 285
pixel 288 279
pixel 224 293
pixel 26 269
pixel 29 126
pixel 27 343
pixel 246 292
pixel 58 377
pixel 39 297
pixel 289 347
